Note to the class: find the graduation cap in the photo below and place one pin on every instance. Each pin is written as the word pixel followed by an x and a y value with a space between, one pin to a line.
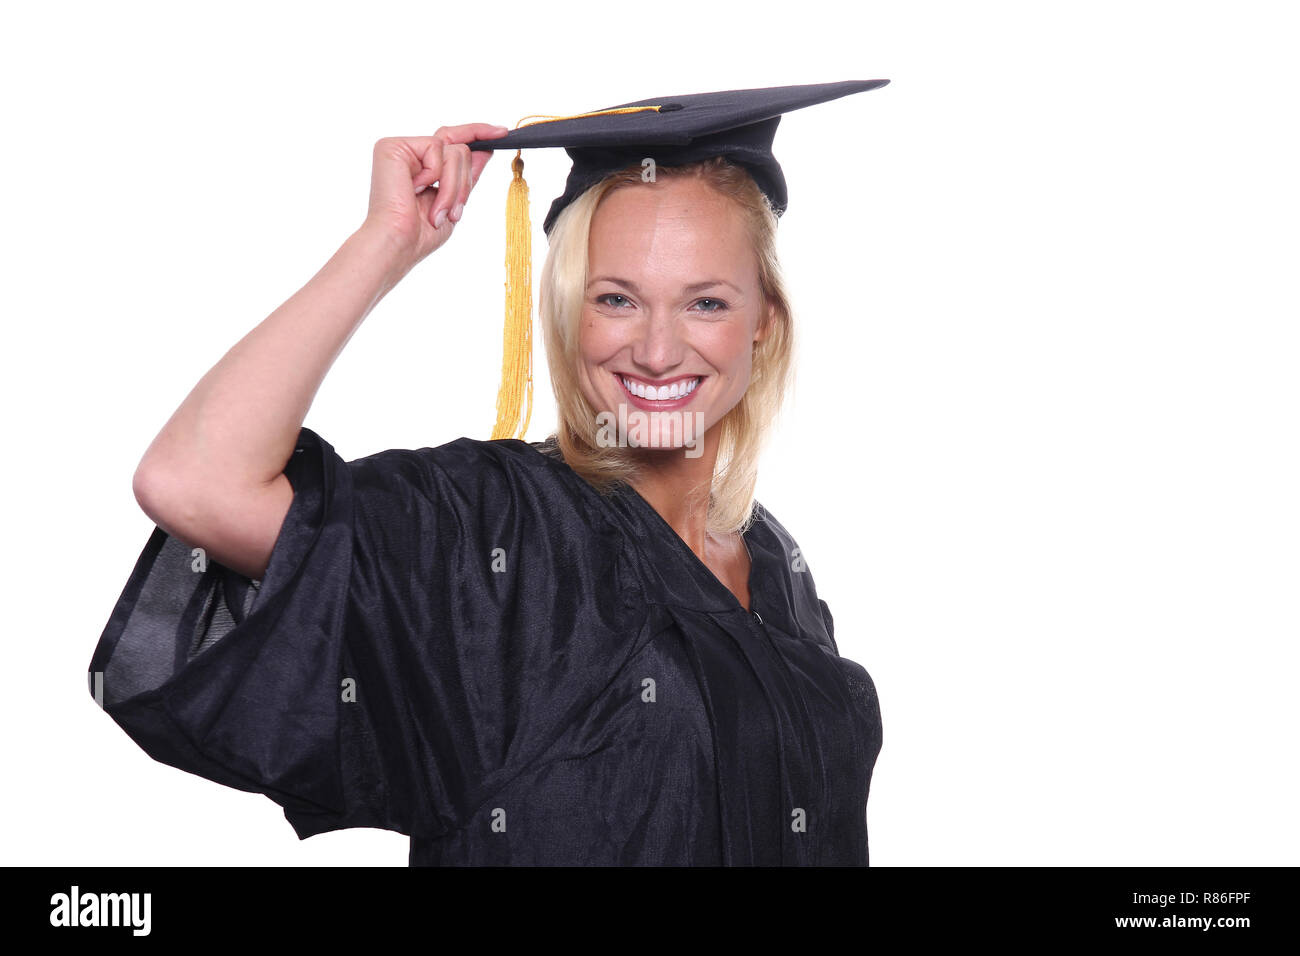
pixel 672 130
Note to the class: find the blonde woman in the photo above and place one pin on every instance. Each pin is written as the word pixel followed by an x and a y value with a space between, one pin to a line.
pixel 593 650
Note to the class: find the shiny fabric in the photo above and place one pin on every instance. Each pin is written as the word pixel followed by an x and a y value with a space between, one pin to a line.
pixel 469 645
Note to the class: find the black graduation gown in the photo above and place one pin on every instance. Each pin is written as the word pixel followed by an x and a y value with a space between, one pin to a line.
pixel 468 644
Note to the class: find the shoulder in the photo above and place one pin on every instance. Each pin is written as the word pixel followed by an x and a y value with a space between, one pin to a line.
pixel 479 499
pixel 791 576
pixel 483 487
pixel 766 525
pixel 468 457
pixel 505 477
pixel 473 469
pixel 762 517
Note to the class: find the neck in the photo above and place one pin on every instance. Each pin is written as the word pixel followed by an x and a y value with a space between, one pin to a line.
pixel 678 488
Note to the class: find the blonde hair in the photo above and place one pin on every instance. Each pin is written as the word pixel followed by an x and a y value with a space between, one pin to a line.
pixel 743 430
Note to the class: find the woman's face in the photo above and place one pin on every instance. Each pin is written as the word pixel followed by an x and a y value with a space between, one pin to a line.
pixel 672 304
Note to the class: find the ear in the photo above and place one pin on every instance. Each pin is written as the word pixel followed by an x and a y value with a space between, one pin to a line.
pixel 765 324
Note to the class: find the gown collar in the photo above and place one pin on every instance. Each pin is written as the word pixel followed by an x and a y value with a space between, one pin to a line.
pixel 670 570
pixel 685 580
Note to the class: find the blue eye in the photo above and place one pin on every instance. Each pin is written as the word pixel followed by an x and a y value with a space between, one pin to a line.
pixel 709 304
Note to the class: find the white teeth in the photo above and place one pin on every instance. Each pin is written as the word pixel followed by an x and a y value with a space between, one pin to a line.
pixel 664 392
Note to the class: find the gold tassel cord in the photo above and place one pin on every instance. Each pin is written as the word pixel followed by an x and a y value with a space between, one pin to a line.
pixel 517 347
pixel 516 390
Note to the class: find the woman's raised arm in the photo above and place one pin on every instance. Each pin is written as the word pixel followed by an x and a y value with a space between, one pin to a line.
pixel 214 476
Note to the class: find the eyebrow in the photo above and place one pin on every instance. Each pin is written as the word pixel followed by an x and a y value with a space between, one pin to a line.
pixel 693 287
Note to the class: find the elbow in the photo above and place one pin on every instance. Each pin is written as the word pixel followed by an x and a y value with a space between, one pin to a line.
pixel 147 486
pixel 236 528
pixel 166 497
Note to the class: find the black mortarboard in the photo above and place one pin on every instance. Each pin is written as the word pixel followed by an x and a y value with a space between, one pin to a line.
pixel 671 130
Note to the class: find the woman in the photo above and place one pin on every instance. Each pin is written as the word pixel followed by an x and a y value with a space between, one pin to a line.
pixel 582 651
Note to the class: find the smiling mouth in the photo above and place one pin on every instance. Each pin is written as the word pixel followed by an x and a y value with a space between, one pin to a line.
pixel 673 391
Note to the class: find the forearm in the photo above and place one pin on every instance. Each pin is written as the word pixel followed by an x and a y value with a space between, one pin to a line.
pixel 238 426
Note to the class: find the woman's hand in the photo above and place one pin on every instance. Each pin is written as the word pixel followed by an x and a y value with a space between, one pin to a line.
pixel 406 206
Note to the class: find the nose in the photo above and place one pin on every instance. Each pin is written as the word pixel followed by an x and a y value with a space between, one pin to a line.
pixel 659 346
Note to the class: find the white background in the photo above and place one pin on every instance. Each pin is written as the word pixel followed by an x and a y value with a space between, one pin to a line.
pixel 1042 457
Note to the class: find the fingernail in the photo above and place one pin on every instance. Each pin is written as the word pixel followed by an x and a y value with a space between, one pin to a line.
pixel 439 219
pixel 456 213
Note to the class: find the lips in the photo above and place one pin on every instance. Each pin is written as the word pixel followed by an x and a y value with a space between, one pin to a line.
pixel 678 388
pixel 669 394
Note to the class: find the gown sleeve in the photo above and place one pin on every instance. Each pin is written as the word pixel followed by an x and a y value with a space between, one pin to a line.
pixel 370 678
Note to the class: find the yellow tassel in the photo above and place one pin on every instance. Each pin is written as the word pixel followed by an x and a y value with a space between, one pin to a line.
pixel 517 346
